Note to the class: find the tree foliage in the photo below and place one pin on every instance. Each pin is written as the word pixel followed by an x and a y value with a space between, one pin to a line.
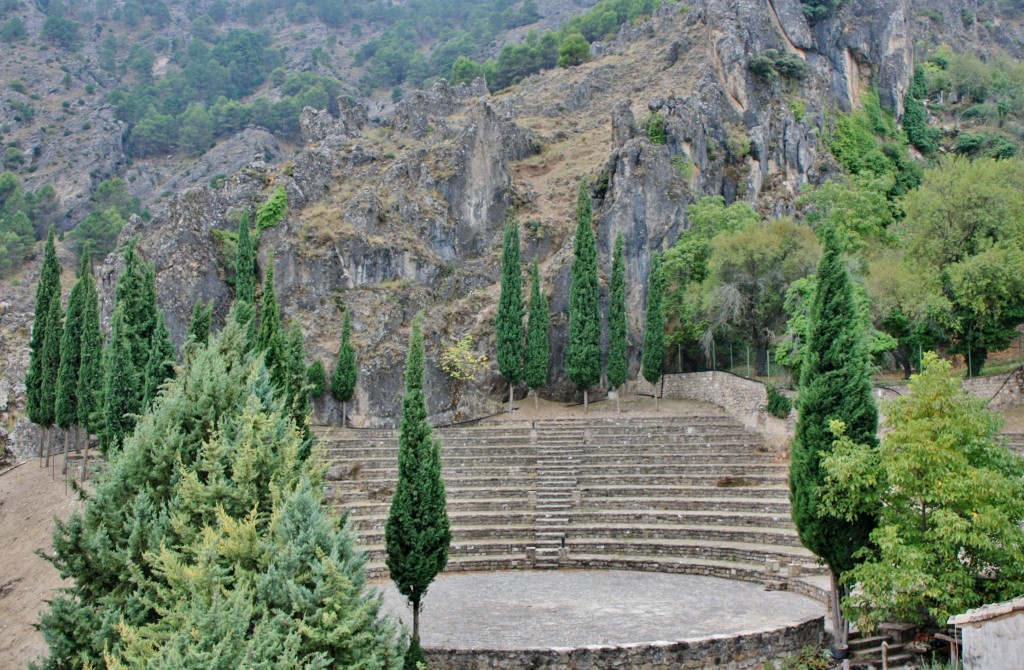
pixel 160 366
pixel 38 381
pixel 536 365
pixel 583 352
pixel 89 395
pixel 509 326
pixel 207 544
pixel 653 358
pixel 270 340
pixel 273 210
pixel 245 264
pixel 617 327
pixel 343 379
pixel 417 533
pixel 66 408
pixel 949 500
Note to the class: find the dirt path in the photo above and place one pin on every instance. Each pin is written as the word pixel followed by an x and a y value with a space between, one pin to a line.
pixel 29 501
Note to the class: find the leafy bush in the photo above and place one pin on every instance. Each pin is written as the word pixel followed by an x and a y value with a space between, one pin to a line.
pixel 773 64
pixel 778 405
pixel 656 128
pixel 809 658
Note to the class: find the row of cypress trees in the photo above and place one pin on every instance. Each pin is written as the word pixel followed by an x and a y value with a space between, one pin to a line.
pixel 583 354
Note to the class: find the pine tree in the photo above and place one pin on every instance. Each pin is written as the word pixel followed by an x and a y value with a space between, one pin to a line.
pixel 207 544
pixel 270 340
pixel 296 389
pixel 417 533
pixel 583 354
pixel 160 366
pixel 343 380
pixel 47 290
pixel 199 325
pixel 536 367
pixel 66 409
pixel 510 312
pixel 50 368
pixel 653 357
pixel 122 379
pixel 90 374
pixel 835 384
pixel 245 264
pixel 617 362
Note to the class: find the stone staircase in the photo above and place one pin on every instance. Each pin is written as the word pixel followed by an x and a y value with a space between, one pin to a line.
pixel 685 494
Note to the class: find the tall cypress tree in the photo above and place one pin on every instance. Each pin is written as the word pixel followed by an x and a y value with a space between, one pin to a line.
pixel 51 366
pixel 417 533
pixel 90 374
pixel 270 340
pixel 343 379
pixel 536 367
pixel 583 355
pixel 617 362
pixel 47 290
pixel 653 357
pixel 199 325
pixel 245 264
pixel 136 296
pixel 296 389
pixel 160 366
pixel 66 408
pixel 510 312
pixel 122 379
pixel 835 383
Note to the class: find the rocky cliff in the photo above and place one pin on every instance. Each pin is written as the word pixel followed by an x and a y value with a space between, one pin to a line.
pixel 404 213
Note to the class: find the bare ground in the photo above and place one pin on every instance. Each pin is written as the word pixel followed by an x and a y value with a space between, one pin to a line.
pixel 29 502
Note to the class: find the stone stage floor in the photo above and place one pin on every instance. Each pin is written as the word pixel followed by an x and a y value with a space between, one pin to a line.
pixel 572 608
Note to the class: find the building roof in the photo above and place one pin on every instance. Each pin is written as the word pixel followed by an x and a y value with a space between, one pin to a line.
pixel 988 612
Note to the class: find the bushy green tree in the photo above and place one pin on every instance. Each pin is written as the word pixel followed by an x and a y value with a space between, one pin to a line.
pixel 965 224
pixel 509 326
pixel 835 384
pixel 343 379
pixel 199 324
pixel 160 366
pixel 583 353
pixel 273 210
pixel 296 387
pixel 574 50
pixel 417 533
pixel 36 381
pixel 207 544
pixel 653 356
pixel 99 230
pixel 949 500
pixel 536 364
pixel 316 378
pixel 122 382
pixel 617 327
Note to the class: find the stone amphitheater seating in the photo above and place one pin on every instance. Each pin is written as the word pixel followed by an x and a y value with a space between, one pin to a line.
pixel 684 494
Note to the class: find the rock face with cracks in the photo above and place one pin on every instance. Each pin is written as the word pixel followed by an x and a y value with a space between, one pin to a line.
pixel 405 213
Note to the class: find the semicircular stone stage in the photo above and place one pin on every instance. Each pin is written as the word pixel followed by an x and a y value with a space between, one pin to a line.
pixel 573 608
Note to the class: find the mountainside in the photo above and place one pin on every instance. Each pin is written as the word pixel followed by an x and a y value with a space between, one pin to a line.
pixel 399 207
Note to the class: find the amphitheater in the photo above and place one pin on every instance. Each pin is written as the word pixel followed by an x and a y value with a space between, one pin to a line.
pixel 638 539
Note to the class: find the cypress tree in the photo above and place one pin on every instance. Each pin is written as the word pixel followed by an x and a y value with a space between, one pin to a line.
pixel 316 379
pixel 417 533
pixel 51 366
pixel 653 357
pixel 122 379
pixel 136 296
pixel 160 366
pixel 510 312
pixel 245 264
pixel 343 380
pixel 583 354
pixel 199 325
pixel 835 383
pixel 90 374
pixel 66 409
pixel 536 367
pixel 296 389
pixel 270 341
pixel 617 363
pixel 46 291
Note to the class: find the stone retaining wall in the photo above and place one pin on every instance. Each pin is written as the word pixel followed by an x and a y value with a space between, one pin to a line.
pixel 751 650
pixel 744 399
pixel 1000 391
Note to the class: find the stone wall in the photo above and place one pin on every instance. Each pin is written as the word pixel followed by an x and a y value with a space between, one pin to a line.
pixel 743 399
pixel 1000 391
pixel 751 650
